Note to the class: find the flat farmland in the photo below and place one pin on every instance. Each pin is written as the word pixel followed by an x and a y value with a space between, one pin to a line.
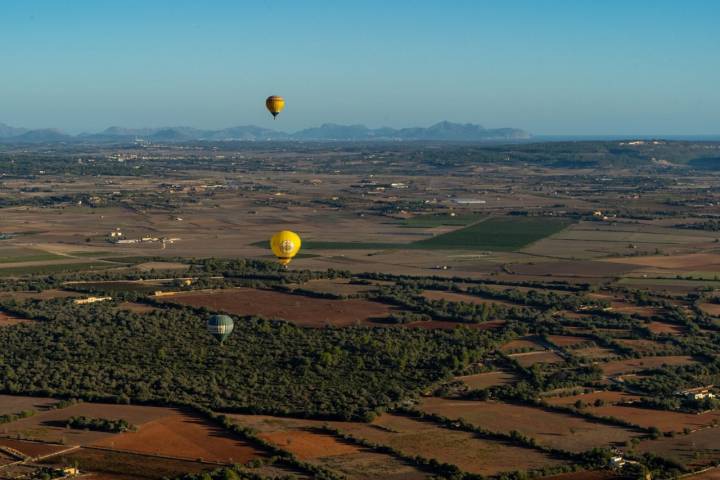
pixel 183 435
pixel 662 327
pixel 463 297
pixel 712 474
pixel 695 450
pixel 570 268
pixel 550 429
pixel 487 379
pixel 594 353
pixel 692 261
pixel 568 340
pixel 447 325
pixel 298 309
pixel 711 308
pixel 531 358
pixel 32 449
pixel 336 286
pixel 10 404
pixel 607 396
pixel 644 347
pixel 463 449
pixel 665 421
pixel 107 464
pixel 523 343
pixel 50 425
pixel 621 367
pixel 302 438
pixel 586 475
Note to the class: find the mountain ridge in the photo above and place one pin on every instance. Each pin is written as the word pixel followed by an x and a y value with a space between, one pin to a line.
pixel 441 131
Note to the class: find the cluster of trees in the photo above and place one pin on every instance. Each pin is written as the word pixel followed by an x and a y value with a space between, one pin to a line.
pixel 98 353
pixel 100 424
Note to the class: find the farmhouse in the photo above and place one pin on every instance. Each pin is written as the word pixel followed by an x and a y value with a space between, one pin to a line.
pixel 85 301
pixel 699 393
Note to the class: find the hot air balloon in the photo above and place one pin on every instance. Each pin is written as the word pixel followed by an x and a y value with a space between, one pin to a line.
pixel 220 327
pixel 275 104
pixel 285 245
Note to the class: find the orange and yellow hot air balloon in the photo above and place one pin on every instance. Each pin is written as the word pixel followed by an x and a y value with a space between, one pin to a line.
pixel 285 245
pixel 275 104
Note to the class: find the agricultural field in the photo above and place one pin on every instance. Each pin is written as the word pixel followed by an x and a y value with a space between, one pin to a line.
pixel 587 276
pixel 550 429
pixel 298 309
pixel 467 451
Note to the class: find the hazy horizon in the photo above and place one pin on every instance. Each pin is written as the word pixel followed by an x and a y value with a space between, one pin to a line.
pixel 570 68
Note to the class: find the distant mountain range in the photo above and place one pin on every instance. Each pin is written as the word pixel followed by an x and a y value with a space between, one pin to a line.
pixel 442 131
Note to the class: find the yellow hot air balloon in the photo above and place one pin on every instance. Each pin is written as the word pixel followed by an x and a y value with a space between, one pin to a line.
pixel 285 245
pixel 275 104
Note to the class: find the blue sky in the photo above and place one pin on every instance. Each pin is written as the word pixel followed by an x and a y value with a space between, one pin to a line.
pixel 551 67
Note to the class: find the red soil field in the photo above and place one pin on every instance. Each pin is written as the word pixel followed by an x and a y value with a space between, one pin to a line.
pixel 308 445
pixel 712 474
pixel 549 429
pixel 662 327
pixel 355 463
pixel 183 435
pixel 109 465
pixel 49 426
pixel 488 379
pixel 711 308
pixel 664 420
pixel 525 343
pixel 298 309
pixel 692 261
pixel 32 449
pixel 620 367
pixel 568 340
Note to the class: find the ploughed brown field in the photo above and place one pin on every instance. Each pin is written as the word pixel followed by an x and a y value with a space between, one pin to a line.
pixel 10 404
pixel 50 426
pixel 620 367
pixel 302 438
pixel 110 465
pixel 697 449
pixel 664 420
pixel 549 429
pixel 662 327
pixel 183 435
pixel 531 358
pixel 298 309
pixel 462 297
pixel 525 343
pixel 32 449
pixel 693 261
pixel 487 379
pixel 567 340
pixel 607 396
pixel 426 439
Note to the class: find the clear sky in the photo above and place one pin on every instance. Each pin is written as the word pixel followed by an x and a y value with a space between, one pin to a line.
pixel 548 66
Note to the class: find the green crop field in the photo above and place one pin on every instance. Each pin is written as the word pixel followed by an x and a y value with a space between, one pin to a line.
pixel 12 255
pixel 502 233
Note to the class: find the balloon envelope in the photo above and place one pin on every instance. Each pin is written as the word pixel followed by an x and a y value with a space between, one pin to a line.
pixel 275 104
pixel 285 245
pixel 220 327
